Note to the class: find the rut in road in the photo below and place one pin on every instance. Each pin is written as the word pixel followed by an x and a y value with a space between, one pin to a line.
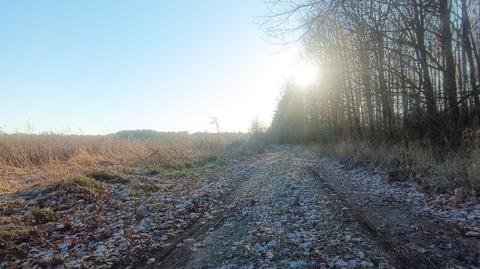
pixel 286 215
pixel 282 218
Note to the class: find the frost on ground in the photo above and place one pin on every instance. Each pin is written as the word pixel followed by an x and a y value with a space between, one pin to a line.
pixel 286 208
pixel 283 219
pixel 302 211
pixel 462 212
pixel 118 225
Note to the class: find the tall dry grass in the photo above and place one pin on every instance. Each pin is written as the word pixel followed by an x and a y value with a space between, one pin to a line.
pixel 26 160
pixel 434 172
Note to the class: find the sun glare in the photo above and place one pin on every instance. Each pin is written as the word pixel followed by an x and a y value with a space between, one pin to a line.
pixel 305 73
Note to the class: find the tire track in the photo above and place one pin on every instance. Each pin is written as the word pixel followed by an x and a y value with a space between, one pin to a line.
pixel 287 191
pixel 404 256
pixel 174 256
pixel 284 187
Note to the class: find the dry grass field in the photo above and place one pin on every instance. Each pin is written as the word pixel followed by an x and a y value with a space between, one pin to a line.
pixel 27 160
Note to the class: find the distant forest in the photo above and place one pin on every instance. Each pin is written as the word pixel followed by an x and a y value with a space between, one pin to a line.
pixel 393 71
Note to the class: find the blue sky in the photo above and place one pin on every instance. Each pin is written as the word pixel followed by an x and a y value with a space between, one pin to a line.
pixel 102 66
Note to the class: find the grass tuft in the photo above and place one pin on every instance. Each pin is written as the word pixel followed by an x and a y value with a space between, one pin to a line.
pixel 10 231
pixel 41 215
pixel 109 177
pixel 81 186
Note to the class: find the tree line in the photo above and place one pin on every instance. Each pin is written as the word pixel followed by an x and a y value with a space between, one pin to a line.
pixel 393 71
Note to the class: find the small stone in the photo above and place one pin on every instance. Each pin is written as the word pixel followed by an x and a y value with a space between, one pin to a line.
pixel 64 246
pixel 260 247
pixel 475 229
pixel 361 254
pixel 341 263
pixel 366 264
pixel 471 217
pixel 356 240
pixel 198 245
pixel 472 234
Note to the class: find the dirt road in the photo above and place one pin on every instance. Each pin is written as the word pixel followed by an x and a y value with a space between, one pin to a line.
pixel 296 210
pixel 284 208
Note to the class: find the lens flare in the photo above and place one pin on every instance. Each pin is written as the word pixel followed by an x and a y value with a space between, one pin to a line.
pixel 305 73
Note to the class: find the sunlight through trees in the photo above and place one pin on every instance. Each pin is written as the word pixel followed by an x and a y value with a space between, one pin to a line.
pixel 393 70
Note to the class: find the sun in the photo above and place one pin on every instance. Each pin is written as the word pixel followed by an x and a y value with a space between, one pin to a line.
pixel 305 73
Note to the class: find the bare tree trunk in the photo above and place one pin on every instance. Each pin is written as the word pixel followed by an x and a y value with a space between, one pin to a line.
pixel 365 69
pixel 386 109
pixel 449 76
pixel 422 55
pixel 467 46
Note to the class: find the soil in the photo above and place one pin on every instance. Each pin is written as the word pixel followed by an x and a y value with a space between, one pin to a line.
pixel 284 208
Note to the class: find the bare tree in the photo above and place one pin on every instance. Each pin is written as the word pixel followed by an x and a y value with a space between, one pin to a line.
pixel 395 69
pixel 214 120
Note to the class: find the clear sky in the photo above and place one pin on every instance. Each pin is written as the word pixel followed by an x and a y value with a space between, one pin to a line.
pixel 101 66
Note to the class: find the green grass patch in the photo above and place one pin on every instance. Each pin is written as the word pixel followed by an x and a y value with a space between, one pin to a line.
pixel 11 231
pixel 41 215
pixel 81 185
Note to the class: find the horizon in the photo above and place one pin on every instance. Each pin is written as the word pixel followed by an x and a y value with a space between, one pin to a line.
pixel 68 133
pixel 240 134
pixel 101 67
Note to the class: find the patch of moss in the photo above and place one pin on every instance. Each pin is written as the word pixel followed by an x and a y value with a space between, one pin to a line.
pixel 89 184
pixel 41 215
pixel 11 231
pixel 81 186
